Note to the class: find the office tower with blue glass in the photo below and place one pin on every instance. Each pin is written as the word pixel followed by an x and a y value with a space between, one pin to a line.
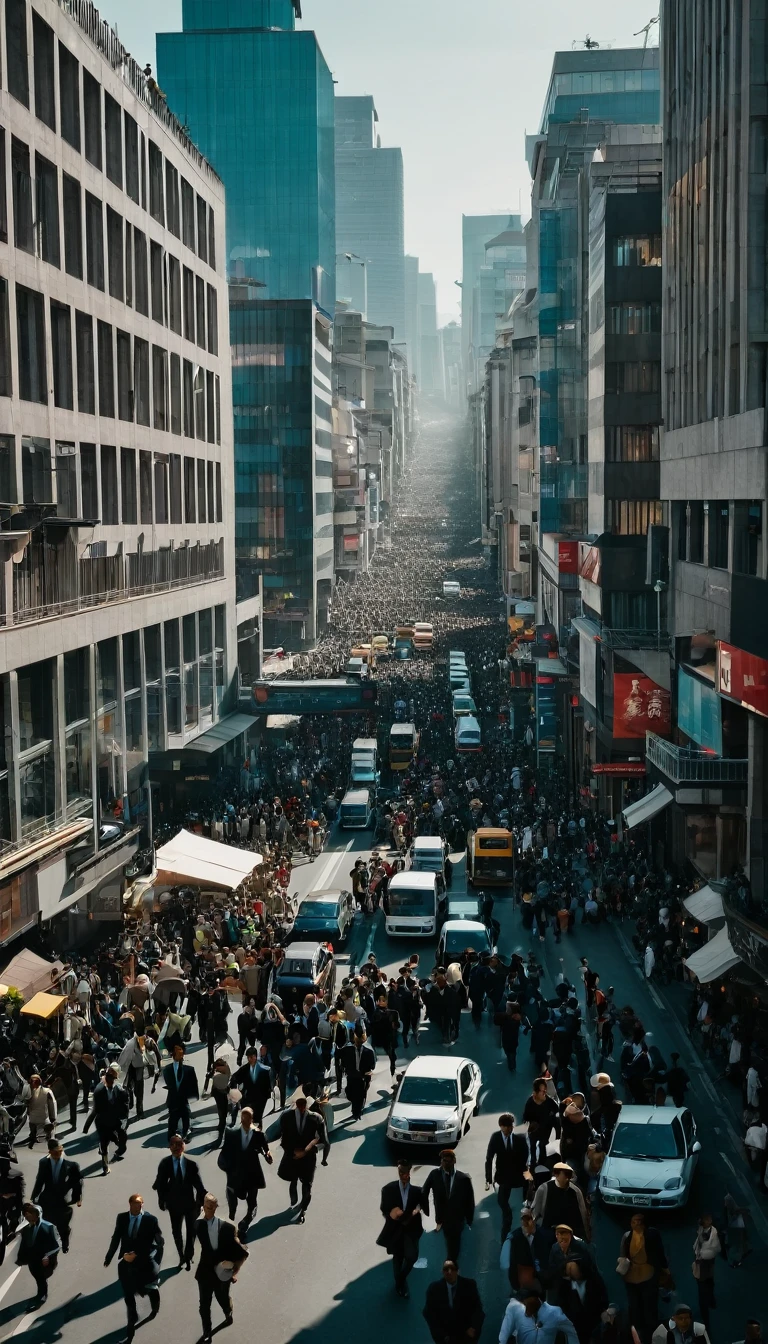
pixel 257 96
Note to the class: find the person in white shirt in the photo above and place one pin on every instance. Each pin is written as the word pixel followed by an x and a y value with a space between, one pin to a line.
pixel 534 1321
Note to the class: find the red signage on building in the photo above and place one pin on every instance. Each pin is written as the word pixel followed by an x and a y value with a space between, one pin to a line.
pixel 639 706
pixel 591 565
pixel 619 768
pixel 743 677
pixel 568 557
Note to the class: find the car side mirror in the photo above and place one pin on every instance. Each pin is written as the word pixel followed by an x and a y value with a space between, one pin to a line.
pixel 696 1147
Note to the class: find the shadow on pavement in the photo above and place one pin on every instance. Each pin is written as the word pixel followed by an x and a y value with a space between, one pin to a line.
pixel 352 1305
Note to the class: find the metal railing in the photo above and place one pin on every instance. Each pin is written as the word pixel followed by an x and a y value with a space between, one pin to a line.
pixel 687 765
pixel 635 638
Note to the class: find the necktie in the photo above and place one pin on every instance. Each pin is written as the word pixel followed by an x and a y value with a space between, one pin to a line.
pixel 450 1295
pixel 178 1073
pixel 133 1226
pixel 448 1186
pixel 176 1168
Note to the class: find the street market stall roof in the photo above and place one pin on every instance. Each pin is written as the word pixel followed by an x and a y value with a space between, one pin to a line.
pixel 206 863
pixel 44 1005
pixel 226 730
pixel 713 959
pixel 29 973
pixel 648 807
pixel 705 905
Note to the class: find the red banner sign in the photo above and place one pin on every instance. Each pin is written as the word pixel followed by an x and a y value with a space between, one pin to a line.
pixel 639 706
pixel 743 677
pixel 568 557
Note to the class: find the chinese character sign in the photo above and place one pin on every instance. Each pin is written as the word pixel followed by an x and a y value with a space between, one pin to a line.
pixel 639 706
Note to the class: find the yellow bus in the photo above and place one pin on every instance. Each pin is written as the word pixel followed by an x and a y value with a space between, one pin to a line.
pixel 490 857
pixel 403 742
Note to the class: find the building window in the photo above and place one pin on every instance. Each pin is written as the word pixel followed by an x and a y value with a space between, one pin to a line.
pixel 23 222
pixel 634 319
pixel 190 515
pixel 213 321
pixel 109 514
pixel 172 677
pixel 61 345
pixel 161 488
pixel 106 371
pixel 6 383
pixel 16 48
pixel 156 267
pixel 202 229
pixel 187 214
pixel 189 305
pixel 209 480
pixel 174 295
pixel 201 495
pixel 48 241
pixel 189 399
pixel 719 529
pixel 69 97
pixel 175 487
pixel 637 251
pixel 175 395
pixel 211 411
pixel 128 264
pixel 128 484
pixel 94 241
pixel 30 322
pixel 156 206
pixel 696 532
pixel 211 239
pixel 92 117
pixel 124 378
pixel 159 388
pixel 145 486
pixel 218 409
pixel 89 483
pixel 43 47
pixel 86 384
pixel 632 443
pixel 219 500
pixel 140 274
pixel 73 227
pixel 199 402
pixel 3 193
pixel 115 254
pixel 113 140
pixel 66 480
pixel 632 517
pixel 7 469
pixel 748 537
pixel 131 158
pixel 642 375
pixel 141 380
pixel 36 480
pixel 172 206
pixel 200 292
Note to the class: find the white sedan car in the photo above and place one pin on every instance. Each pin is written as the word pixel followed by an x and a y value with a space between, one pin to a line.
pixel 652 1158
pixel 435 1100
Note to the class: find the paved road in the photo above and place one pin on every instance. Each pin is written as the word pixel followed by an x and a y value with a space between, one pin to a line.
pixel 324 1280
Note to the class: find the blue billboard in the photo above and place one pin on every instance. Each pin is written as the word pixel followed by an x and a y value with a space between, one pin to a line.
pixel 699 713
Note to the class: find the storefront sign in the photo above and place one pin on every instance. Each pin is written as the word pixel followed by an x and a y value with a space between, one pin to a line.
pixel 742 677
pixel 568 557
pixel 639 706
pixel 699 712
pixel 625 768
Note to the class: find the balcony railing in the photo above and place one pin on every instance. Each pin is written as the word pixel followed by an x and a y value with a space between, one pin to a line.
pixel 635 638
pixel 687 765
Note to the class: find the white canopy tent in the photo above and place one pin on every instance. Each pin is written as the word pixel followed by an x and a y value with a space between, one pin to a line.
pixel 31 974
pixel 645 809
pixel 206 863
pixel 706 905
pixel 713 959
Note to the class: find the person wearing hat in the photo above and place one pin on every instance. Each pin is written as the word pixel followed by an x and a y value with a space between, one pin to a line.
pixel 681 1328
pixel 402 1205
pixel 606 1107
pixel 39 1248
pixel 566 1247
pixel 110 1105
pixel 58 1185
pixel 559 1200
pixel 358 1060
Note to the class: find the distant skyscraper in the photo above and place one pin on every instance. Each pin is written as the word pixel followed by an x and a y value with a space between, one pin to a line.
pixel 430 380
pixel 477 232
pixel 412 330
pixel 370 218
pixel 257 97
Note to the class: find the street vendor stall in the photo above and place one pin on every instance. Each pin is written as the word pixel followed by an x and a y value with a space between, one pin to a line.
pixel 45 1006
pixel 28 973
pixel 206 863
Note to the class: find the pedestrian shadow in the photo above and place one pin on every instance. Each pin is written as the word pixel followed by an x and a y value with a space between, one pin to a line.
pixel 353 1304
pixel 264 1227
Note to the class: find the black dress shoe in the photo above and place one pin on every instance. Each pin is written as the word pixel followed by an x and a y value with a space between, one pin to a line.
pixel 402 1291
pixel 302 1217
pixel 229 1320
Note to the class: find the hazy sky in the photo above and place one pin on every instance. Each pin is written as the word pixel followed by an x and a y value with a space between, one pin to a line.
pixel 457 84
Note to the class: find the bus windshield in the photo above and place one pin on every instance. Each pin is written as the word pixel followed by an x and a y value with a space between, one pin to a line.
pixel 411 901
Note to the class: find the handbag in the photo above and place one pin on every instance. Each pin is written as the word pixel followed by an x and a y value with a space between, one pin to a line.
pixel 696 1269
pixel 623 1265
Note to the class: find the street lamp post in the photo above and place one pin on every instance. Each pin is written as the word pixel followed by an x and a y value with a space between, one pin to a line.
pixel 658 589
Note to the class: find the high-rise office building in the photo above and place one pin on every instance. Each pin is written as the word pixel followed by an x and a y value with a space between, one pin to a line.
pixel 370 217
pixel 412 316
pixel 476 232
pixel 257 96
pixel 431 379
pixel 118 637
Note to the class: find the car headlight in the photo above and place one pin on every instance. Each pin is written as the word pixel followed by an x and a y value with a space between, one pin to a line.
pixel 610 1182
pixel 673 1183
pixel 449 1122
pixel 396 1122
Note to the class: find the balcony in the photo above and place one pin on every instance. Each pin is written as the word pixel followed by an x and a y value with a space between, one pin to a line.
pixel 688 765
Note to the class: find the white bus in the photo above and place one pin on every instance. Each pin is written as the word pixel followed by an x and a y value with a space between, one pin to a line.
pixel 412 904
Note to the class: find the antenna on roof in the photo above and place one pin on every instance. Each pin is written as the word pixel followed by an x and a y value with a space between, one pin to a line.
pixel 587 42
pixel 647 30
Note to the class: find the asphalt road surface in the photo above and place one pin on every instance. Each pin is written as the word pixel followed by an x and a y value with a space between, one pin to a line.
pixel 327 1280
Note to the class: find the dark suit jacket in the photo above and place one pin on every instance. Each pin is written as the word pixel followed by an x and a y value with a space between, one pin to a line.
pixel 229 1248
pixel 106 1112
pixel 255 1093
pixel 147 1246
pixel 243 1165
pixel 511 1162
pixel 303 1168
pixel 68 1189
pixel 395 1230
pixel 460 1207
pixel 182 1196
pixel 450 1323
pixel 349 1060
pixel 45 1243
pixel 584 1315
pixel 523 1254
pixel 185 1091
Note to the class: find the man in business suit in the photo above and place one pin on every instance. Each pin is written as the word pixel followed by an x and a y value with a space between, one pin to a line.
pixel 138 1239
pixel 219 1246
pixel 110 1106
pixel 529 1250
pixel 301 1133
pixel 39 1248
pixel 453 1310
pixel 181 1082
pixel 58 1186
pixel 402 1205
pixel 254 1080
pixel 240 1158
pixel 512 1158
pixel 358 1060
pixel 454 1201
pixel 180 1190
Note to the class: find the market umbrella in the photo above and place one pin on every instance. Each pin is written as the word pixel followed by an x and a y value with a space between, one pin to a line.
pixel 164 989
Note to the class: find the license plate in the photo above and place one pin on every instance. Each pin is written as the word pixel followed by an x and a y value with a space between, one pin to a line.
pixel 643 1200
pixel 420 1138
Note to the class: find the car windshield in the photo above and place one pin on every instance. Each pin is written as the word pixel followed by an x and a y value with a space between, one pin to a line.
pixel 297 966
pixel 429 1092
pixel 457 940
pixel 427 863
pixel 648 1142
pixel 412 901
pixel 318 910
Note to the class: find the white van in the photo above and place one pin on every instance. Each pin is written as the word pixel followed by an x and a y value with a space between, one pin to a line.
pixel 458 679
pixel 412 904
pixel 467 734
pixel 356 811
pixel 364 767
pixel 457 656
pixel 451 588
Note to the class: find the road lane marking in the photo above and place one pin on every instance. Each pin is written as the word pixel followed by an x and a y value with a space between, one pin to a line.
pixel 333 860
pixel 10 1280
